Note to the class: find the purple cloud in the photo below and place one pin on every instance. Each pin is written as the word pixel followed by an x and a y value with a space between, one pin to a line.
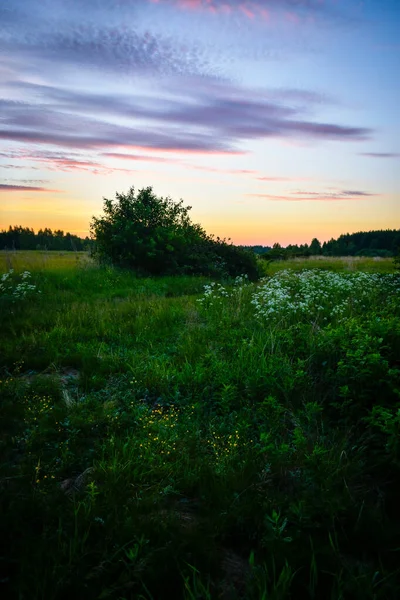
pixel 336 194
pixel 138 157
pixel 59 161
pixel 9 166
pixel 193 110
pixel 202 119
pixel 4 187
pixel 380 154
pixel 30 181
pixel 54 33
pixel 301 196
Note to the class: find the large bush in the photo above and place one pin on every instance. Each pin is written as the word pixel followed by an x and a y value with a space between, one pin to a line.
pixel 154 235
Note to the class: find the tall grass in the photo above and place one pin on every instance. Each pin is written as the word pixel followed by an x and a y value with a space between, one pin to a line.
pixel 331 263
pixel 162 439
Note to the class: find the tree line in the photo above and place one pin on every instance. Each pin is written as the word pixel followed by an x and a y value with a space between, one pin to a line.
pixel 24 238
pixel 382 242
pixel 156 235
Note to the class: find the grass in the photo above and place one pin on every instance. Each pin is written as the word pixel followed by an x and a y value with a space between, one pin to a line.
pixel 335 263
pixel 165 440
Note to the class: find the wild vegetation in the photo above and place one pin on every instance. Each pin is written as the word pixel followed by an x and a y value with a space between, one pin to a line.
pixel 383 243
pixel 186 437
pixel 197 433
pixel 155 236
pixel 24 238
pixel 379 243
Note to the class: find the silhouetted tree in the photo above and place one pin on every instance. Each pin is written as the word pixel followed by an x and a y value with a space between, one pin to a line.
pixel 315 247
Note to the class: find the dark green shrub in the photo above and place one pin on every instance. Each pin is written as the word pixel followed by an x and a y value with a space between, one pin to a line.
pixel 155 235
pixel 237 261
pixel 396 259
pixel 276 253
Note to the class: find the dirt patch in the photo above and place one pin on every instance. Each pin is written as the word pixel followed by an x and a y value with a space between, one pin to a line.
pixel 236 572
pixel 66 376
pixel 76 484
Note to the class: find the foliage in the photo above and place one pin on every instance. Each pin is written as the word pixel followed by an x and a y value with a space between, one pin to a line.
pixel 15 288
pixel 24 238
pixel 173 437
pixel 275 253
pixel 154 235
pixel 315 247
pixel 335 264
pixel 321 295
pixel 383 243
pixel 396 259
pixel 231 260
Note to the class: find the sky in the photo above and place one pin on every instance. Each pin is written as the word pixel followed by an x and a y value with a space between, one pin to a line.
pixel 275 120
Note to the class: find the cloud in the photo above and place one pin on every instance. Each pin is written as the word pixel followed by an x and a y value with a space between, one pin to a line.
pixel 9 166
pixel 59 161
pixel 272 178
pixel 208 169
pixel 302 97
pixel 134 38
pixel 111 40
pixel 137 157
pixel 120 136
pixel 11 154
pixel 193 110
pixel 326 130
pixel 291 9
pixel 338 194
pixel 356 193
pixel 282 102
pixel 301 196
pixel 159 159
pixel 67 163
pixel 380 154
pixel 30 181
pixel 4 187
pixel 194 117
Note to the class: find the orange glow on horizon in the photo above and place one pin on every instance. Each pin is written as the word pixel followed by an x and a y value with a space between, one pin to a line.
pixel 244 222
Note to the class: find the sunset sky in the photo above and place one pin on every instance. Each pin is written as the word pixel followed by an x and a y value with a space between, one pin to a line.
pixel 276 120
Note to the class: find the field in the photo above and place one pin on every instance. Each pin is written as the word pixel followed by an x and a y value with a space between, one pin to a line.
pixel 188 439
pixel 338 264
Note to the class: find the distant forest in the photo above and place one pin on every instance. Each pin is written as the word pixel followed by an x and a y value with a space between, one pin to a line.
pixel 384 242
pixel 23 238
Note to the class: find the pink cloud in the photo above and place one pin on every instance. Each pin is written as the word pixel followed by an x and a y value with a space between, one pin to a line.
pixel 247 11
pixel 137 157
pixel 250 9
pixel 222 171
pixel 54 161
pixel 191 4
pixel 225 9
pixel 284 178
pixel 292 17
pixel 185 151
pixel 66 164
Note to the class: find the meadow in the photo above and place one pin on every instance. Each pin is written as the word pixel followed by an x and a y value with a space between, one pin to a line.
pixel 176 437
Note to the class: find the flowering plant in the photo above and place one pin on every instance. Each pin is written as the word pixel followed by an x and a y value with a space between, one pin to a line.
pixel 14 287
